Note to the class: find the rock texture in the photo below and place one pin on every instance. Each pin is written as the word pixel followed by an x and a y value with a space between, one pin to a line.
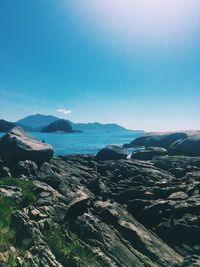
pixel 158 140
pixel 125 212
pixel 17 145
pixel 111 152
pixel 187 147
pixel 149 153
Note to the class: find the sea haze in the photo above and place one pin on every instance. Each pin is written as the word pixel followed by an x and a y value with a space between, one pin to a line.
pixel 79 143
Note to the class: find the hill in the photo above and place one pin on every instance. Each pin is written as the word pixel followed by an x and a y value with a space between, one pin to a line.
pixel 58 126
pixel 35 123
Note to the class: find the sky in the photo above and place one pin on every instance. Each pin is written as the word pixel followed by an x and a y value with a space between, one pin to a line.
pixel 132 62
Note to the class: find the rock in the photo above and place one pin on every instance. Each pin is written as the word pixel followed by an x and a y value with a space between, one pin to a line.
pixel 159 140
pixel 122 239
pixel 148 153
pixel 39 253
pixel 178 196
pixel 140 141
pixel 10 191
pixel 4 171
pixel 125 212
pixel 111 152
pixel 78 205
pixel 187 147
pixel 17 145
pixel 25 168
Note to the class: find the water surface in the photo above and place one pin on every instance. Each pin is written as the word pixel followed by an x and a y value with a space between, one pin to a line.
pixel 79 143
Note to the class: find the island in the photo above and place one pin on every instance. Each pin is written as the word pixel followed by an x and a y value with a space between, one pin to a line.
pixel 60 125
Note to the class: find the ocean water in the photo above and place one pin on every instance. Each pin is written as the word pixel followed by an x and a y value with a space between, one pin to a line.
pixel 79 143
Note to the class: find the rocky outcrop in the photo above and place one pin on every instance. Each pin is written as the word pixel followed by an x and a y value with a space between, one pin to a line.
pixel 158 140
pixel 125 212
pixel 187 147
pixel 149 153
pixel 25 168
pixel 111 152
pixel 17 145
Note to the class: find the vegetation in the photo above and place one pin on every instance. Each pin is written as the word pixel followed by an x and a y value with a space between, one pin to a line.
pixel 28 190
pixel 7 206
pixel 68 249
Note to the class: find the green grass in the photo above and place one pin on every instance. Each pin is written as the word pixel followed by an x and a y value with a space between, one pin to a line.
pixel 7 206
pixel 70 252
pixel 28 190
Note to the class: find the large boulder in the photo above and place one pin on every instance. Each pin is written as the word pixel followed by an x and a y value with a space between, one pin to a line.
pixel 149 153
pixel 140 141
pixel 111 152
pixel 159 140
pixel 187 147
pixel 17 145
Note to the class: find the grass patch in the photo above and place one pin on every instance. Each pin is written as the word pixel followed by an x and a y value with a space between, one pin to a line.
pixel 8 205
pixel 69 251
pixel 28 190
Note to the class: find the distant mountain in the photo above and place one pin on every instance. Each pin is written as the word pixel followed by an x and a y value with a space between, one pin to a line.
pixel 98 127
pixel 58 126
pixel 35 123
pixel 6 126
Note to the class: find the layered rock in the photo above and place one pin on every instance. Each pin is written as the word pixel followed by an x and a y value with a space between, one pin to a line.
pixel 125 212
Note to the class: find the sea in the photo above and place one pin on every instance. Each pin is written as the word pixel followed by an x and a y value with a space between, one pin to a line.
pixel 81 143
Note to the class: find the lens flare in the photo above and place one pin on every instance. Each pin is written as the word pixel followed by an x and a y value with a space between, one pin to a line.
pixel 138 22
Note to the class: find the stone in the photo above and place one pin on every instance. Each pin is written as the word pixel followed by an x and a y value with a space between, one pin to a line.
pixel 25 168
pixel 10 191
pixel 187 147
pixel 148 153
pixel 111 152
pixel 159 140
pixel 17 145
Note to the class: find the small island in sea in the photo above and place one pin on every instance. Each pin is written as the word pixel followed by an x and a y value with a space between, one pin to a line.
pixel 59 126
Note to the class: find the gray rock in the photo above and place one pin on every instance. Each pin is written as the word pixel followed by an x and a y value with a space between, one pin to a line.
pixel 4 171
pixel 17 145
pixel 122 239
pixel 10 191
pixel 148 153
pixel 111 152
pixel 187 147
pixel 25 168
pixel 159 140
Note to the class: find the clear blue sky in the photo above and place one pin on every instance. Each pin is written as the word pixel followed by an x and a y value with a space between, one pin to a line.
pixel 132 62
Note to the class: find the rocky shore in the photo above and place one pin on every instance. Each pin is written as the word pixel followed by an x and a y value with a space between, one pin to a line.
pixel 105 210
